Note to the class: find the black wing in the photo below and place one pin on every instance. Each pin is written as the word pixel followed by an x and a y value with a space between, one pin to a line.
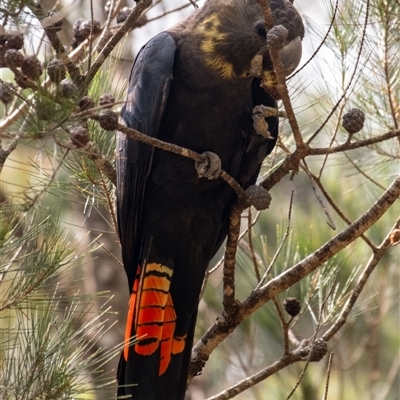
pixel 148 90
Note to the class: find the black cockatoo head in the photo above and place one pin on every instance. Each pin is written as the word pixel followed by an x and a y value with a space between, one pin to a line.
pixel 233 32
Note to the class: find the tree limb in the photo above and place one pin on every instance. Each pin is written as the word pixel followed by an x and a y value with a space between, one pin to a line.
pixel 225 324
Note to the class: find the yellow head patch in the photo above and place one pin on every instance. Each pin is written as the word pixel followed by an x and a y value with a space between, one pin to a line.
pixel 211 35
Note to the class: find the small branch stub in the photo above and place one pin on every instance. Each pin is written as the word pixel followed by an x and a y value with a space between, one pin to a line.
pixel 318 350
pixel 395 237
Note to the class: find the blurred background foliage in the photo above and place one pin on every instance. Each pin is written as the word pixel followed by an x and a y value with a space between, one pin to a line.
pixel 63 290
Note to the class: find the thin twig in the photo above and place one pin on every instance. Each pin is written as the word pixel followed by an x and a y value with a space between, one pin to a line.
pixel 320 45
pixel 355 69
pixel 371 265
pixel 5 268
pixel 104 165
pixel 333 204
pixel 388 80
pixel 333 138
pixel 106 28
pixel 244 246
pixel 290 163
pixel 247 383
pixel 314 337
pixel 91 33
pixel 251 247
pixel 171 11
pixel 111 254
pixel 116 9
pixel 6 152
pixel 173 148
pixel 328 376
pixel 361 172
pixel 390 378
pixel 110 204
pixel 330 221
pixel 34 199
pixel 221 261
pixel 108 48
pixel 312 151
pixel 55 42
pixel 283 241
pixel 284 325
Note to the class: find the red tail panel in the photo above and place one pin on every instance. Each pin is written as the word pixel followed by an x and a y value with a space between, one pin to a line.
pixel 167 335
pixel 152 317
pixel 178 344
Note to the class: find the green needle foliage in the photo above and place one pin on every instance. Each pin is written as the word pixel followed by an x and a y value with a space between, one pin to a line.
pixel 47 337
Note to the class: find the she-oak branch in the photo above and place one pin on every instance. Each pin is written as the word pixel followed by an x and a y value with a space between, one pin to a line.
pixel 225 324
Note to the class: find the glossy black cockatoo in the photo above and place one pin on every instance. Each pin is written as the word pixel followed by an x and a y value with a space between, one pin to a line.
pixel 193 85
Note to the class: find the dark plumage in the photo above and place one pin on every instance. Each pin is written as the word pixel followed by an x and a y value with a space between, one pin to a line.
pixel 191 86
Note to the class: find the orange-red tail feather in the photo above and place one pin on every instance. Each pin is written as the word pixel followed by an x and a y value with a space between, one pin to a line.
pixel 152 317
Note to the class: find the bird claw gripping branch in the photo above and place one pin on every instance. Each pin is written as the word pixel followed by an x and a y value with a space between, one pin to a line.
pixel 210 168
pixel 260 124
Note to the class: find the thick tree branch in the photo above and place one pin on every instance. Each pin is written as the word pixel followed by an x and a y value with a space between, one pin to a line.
pixel 247 383
pixel 292 160
pixel 324 253
pixel 230 259
pixel 225 324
